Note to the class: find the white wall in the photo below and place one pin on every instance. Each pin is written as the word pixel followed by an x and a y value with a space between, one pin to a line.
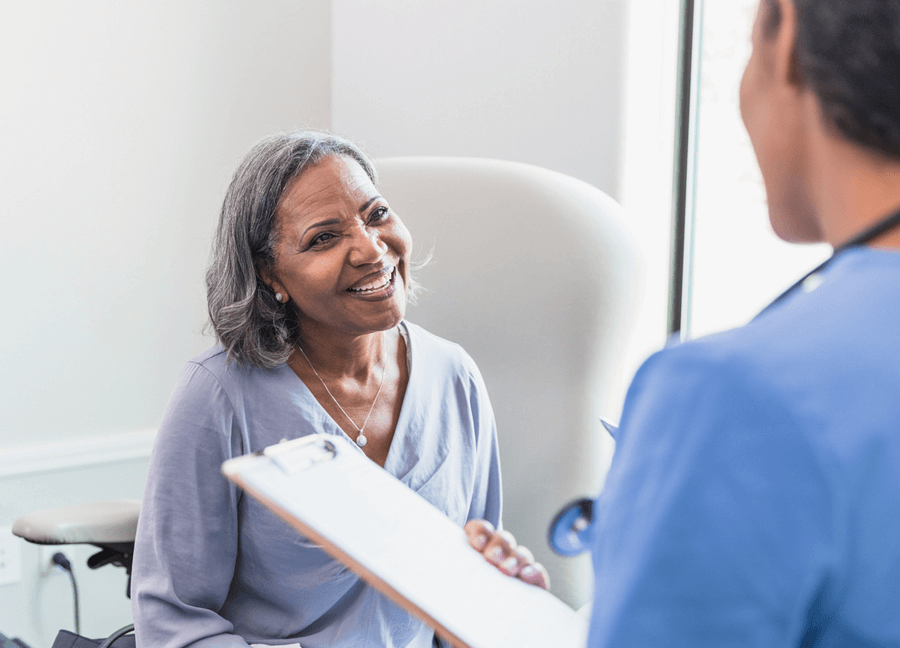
pixel 120 125
pixel 581 87
pixel 523 80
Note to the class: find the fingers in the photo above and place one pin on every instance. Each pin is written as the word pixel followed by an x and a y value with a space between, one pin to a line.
pixel 520 563
pixel 501 550
pixel 479 532
pixel 495 546
pixel 524 555
pixel 535 574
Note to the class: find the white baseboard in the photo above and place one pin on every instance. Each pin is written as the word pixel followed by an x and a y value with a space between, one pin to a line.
pixel 78 453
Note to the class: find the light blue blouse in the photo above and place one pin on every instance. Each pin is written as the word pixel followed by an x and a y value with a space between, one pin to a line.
pixel 214 568
pixel 754 498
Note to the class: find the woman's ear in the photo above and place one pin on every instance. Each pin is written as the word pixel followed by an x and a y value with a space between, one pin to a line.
pixel 268 278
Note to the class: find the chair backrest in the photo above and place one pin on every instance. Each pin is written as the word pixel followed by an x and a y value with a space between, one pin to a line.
pixel 532 274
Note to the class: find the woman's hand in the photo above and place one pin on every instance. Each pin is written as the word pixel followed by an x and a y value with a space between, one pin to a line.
pixel 499 548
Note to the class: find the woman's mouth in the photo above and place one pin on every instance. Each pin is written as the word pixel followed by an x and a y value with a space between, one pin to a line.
pixel 382 281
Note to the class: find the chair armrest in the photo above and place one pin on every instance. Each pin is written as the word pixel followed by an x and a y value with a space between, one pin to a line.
pixel 98 523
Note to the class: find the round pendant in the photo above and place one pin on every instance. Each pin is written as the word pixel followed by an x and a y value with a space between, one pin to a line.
pixel 361 440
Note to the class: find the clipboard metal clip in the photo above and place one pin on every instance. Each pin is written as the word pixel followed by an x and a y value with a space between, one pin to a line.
pixel 299 454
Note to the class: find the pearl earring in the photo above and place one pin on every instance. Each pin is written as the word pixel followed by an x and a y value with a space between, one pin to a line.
pixel 278 296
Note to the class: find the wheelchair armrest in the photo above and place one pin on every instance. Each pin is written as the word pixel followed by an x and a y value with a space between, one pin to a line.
pixel 99 523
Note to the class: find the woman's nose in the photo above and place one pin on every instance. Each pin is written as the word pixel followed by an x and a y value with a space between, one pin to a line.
pixel 367 247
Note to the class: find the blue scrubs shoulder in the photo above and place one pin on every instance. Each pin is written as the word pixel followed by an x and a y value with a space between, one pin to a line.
pixel 754 498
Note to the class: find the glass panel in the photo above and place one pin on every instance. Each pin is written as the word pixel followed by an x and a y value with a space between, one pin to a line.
pixel 736 264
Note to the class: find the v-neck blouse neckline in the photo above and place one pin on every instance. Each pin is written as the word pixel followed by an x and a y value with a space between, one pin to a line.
pixel 331 426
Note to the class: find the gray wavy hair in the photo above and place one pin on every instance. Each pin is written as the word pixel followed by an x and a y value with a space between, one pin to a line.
pixel 254 328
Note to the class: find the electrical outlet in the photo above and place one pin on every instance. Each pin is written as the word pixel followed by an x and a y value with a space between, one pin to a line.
pixel 10 557
pixel 47 566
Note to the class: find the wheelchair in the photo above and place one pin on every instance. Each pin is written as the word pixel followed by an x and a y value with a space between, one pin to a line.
pixel 110 526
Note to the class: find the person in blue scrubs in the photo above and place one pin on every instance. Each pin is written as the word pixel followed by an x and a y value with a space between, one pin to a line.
pixel 754 497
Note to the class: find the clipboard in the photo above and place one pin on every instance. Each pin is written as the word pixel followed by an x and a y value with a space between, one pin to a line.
pixel 402 545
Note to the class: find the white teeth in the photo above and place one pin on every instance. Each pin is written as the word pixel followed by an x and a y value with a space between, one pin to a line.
pixel 376 284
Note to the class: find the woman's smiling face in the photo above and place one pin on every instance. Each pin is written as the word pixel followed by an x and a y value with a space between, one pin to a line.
pixel 342 255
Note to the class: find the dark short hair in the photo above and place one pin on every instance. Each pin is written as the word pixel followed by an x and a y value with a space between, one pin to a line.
pixel 251 325
pixel 848 54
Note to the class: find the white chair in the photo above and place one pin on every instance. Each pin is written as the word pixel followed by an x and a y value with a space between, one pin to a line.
pixel 532 273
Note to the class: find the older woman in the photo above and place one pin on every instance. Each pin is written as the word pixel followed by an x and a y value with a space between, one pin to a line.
pixel 307 290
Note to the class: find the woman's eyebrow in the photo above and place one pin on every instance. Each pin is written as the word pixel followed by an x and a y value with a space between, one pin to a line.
pixel 367 203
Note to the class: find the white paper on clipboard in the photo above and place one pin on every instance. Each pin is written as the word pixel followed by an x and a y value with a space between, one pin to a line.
pixel 402 545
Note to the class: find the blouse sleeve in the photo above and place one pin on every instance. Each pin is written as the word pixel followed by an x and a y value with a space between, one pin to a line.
pixel 486 501
pixel 186 543
pixel 715 525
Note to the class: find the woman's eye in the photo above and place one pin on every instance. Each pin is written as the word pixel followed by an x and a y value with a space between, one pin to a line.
pixel 321 239
pixel 378 214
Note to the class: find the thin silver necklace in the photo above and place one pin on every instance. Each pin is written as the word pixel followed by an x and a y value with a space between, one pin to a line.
pixel 361 437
